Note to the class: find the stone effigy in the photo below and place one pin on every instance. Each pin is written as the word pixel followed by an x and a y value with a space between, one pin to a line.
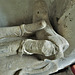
pixel 17 49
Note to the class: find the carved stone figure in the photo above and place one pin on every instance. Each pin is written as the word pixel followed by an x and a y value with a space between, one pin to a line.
pixel 19 45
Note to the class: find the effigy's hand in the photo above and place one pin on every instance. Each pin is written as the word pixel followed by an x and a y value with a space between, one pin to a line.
pixel 10 41
pixel 10 44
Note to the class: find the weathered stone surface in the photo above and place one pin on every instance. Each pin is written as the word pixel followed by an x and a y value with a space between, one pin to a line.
pixel 9 65
pixel 66 27
pixel 20 11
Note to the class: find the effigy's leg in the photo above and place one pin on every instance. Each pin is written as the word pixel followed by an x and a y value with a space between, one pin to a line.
pixel 42 47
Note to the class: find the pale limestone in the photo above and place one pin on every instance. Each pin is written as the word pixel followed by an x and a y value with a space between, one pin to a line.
pixel 29 64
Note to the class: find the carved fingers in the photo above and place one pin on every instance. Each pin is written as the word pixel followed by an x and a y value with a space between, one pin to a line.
pixel 21 30
pixel 43 47
pixel 30 28
pixel 9 48
pixel 27 46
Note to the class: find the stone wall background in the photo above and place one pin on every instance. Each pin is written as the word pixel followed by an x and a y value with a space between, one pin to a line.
pixel 15 12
